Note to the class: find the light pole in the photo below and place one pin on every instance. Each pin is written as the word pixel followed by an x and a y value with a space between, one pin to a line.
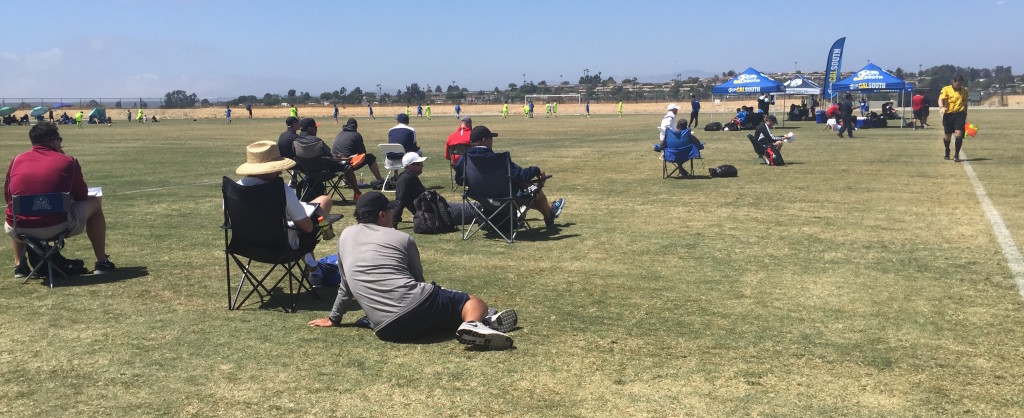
pixel 919 70
pixel 560 79
pixel 378 93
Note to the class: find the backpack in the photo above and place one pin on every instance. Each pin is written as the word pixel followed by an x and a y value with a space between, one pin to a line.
pixel 731 126
pixel 773 156
pixel 723 171
pixel 432 216
pixel 713 126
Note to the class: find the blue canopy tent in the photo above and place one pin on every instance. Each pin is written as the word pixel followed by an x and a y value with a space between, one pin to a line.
pixel 871 79
pixel 749 81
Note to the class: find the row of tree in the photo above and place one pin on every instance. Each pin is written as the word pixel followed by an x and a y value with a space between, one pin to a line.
pixel 591 86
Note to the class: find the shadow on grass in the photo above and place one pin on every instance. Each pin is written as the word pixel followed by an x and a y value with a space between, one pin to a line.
pixel 976 159
pixel 113 276
pixel 538 233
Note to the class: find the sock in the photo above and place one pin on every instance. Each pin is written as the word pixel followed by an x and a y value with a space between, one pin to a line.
pixel 959 142
pixel 310 261
pixel 946 143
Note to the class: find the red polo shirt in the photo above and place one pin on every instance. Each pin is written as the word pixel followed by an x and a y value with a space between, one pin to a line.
pixel 43 170
pixel 459 137
pixel 917 102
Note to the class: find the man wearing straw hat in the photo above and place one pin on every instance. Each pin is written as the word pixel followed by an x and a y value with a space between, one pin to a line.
pixel 263 163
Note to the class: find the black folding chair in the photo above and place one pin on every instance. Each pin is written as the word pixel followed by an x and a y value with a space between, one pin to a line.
pixel 759 149
pixel 43 249
pixel 318 176
pixel 255 230
pixel 488 181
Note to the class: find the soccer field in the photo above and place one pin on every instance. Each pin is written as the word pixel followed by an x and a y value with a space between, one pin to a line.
pixel 862 279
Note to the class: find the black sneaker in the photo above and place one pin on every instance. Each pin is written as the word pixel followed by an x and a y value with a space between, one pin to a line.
pixel 103 266
pixel 947 156
pixel 21 271
pixel 956 159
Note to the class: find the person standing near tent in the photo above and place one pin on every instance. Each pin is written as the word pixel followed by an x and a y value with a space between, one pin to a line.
pixel 953 107
pixel 694 111
pixel 846 111
pixel 863 106
pixel 81 114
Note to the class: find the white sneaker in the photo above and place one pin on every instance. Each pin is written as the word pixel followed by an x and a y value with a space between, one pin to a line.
pixel 479 335
pixel 503 321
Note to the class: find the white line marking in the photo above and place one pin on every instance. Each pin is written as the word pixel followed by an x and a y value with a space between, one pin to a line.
pixel 1013 257
pixel 168 187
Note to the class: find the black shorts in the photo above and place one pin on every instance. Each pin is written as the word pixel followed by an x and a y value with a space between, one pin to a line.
pixel 919 113
pixel 440 312
pixel 954 122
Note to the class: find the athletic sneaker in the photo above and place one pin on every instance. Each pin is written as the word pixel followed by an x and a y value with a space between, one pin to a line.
pixel 556 207
pixel 956 159
pixel 503 321
pixel 103 266
pixel 316 277
pixel 947 156
pixel 21 271
pixel 477 334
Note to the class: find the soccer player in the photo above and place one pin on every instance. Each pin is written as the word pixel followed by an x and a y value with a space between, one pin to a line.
pixel 428 111
pixel 370 106
pixel 458 109
pixel 335 113
pixel 504 110
pixel 554 109
pixel 620 108
pixel 547 106
pixel 227 113
pixel 588 108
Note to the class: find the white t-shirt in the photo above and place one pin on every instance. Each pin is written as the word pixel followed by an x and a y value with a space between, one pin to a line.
pixel 667 122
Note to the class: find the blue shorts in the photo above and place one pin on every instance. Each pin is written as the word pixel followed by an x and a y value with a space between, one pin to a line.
pixel 440 312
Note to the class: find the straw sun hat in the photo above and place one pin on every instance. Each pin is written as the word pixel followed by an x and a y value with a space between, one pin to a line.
pixel 263 158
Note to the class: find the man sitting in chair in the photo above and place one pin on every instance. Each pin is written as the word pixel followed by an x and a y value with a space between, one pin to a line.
pixel 482 140
pixel 46 169
pixel 680 146
pixel 265 163
pixel 459 138
pixel 308 145
pixel 763 133
pixel 381 270
pixel 349 145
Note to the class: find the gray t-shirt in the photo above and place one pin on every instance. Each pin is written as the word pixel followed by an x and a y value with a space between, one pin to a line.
pixel 380 268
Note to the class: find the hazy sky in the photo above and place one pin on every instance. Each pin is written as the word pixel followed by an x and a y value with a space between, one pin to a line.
pixel 132 48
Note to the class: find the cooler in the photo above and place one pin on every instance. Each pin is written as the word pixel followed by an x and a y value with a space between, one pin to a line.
pixel 819 116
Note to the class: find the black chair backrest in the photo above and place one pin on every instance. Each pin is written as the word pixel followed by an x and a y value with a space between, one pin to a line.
pixel 487 176
pixel 256 215
pixel 758 147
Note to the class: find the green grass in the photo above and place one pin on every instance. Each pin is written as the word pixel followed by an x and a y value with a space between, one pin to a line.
pixel 863 279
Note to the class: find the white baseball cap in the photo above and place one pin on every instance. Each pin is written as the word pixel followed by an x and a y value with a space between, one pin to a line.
pixel 673 106
pixel 412 157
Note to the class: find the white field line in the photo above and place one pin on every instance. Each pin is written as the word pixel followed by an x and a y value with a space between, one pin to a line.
pixel 1010 250
pixel 167 187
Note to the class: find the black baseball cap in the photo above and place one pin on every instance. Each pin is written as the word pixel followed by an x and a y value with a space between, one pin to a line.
pixel 307 123
pixel 481 133
pixel 372 202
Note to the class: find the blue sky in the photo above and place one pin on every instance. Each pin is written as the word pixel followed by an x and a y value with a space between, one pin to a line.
pixel 131 48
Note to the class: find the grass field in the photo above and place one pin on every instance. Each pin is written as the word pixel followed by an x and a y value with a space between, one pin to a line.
pixel 862 279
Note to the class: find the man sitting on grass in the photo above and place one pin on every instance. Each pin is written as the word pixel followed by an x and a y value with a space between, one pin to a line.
pixel 46 169
pixel 482 140
pixel 408 187
pixel 380 269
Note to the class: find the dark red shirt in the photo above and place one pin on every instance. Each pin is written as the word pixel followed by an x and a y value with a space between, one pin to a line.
pixel 43 170
pixel 459 137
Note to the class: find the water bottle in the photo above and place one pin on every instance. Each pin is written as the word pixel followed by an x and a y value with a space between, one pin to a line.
pixel 326 230
pixel 362 179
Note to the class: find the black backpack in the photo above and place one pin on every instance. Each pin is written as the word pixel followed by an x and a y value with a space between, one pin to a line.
pixel 432 216
pixel 713 126
pixel 723 171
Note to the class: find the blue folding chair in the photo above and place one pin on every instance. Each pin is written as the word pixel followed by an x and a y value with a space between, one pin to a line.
pixel 44 248
pixel 488 181
pixel 679 149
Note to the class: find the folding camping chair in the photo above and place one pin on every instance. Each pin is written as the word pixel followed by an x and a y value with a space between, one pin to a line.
pixel 392 162
pixel 488 181
pixel 255 230
pixel 43 248
pixel 679 149
pixel 317 171
pixel 456 152
pixel 759 149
